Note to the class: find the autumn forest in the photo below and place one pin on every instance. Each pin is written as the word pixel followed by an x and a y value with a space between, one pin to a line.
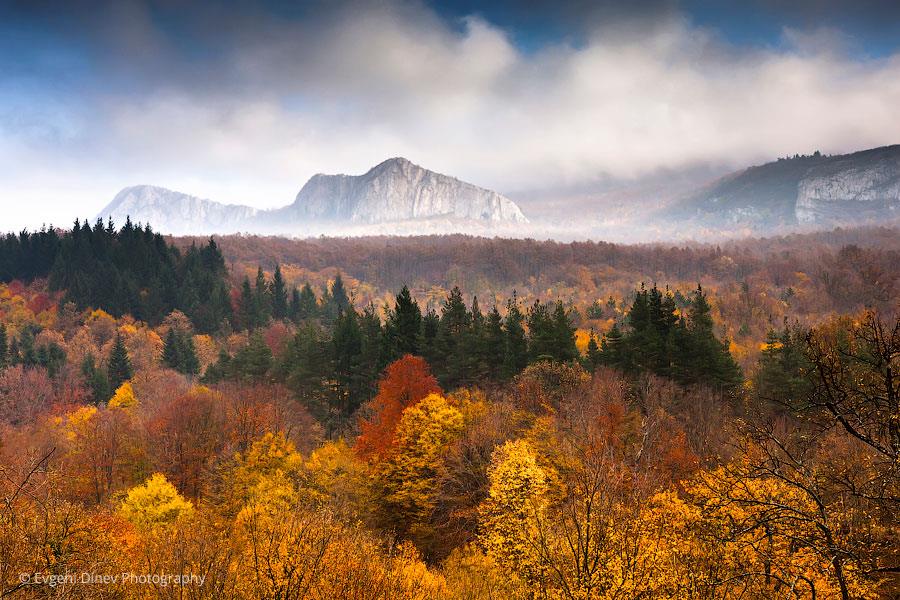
pixel 244 417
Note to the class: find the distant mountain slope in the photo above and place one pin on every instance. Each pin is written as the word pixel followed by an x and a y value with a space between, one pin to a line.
pixel 397 190
pixel 808 190
pixel 176 213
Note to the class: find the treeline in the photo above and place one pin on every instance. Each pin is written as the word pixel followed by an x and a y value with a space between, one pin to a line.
pixel 131 270
pixel 334 359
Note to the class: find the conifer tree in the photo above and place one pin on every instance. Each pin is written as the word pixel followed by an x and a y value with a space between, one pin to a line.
pixel 453 332
pixel 248 306
pixel 563 334
pixel 294 306
pixel 119 365
pixel 494 345
pixel 279 295
pixel 516 345
pixel 404 326
pixel 541 335
pixel 171 356
pixel 308 306
pixel 262 299
pixel 95 379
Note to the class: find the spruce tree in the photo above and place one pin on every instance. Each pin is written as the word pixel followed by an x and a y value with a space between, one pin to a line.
pixel 494 345
pixel 190 364
pixel 118 366
pixel 262 299
pixel 453 330
pixel 593 353
pixel 339 293
pixel 294 306
pixel 564 348
pixel 171 352
pixel 347 343
pixel 404 326
pixel 515 357
pixel 308 306
pixel 279 295
pixel 248 306
pixel 542 340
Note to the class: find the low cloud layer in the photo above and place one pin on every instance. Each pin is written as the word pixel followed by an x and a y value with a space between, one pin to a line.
pixel 244 107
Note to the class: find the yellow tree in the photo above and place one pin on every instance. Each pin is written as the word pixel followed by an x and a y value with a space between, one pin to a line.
pixel 154 502
pixel 408 480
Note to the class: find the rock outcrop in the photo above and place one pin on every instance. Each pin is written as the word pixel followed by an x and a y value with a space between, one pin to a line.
pixel 816 190
pixel 395 192
pixel 398 190
pixel 176 213
pixel 864 186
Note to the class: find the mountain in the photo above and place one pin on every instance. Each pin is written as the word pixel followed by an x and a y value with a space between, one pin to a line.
pixel 394 196
pixel 176 213
pixel 397 190
pixel 815 190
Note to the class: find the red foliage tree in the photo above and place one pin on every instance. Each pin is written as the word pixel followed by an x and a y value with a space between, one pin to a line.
pixel 404 383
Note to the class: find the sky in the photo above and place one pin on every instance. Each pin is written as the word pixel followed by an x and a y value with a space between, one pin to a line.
pixel 241 101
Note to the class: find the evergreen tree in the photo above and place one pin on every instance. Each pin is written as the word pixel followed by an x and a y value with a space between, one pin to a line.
pixel 307 305
pixel 781 377
pixel 351 380
pixel 190 364
pixel 541 335
pixel 564 346
pixel 254 361
pixel 428 345
pixel 279 298
pixel 171 352
pixel 708 358
pixel 262 299
pixel 494 345
pixel 404 326
pixel 118 366
pixel 249 314
pixel 515 357
pixel 294 306
pixel 95 379
pixel 454 332
pixel 339 294
pixel 305 366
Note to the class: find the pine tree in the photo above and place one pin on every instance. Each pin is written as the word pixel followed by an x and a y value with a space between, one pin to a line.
pixel 118 365
pixel 708 358
pixel 279 295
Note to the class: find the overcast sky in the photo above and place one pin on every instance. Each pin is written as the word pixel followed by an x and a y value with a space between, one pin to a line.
pixel 242 102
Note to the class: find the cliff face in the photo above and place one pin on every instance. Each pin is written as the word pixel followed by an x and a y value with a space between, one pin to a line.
pixel 398 190
pixel 176 213
pixel 856 187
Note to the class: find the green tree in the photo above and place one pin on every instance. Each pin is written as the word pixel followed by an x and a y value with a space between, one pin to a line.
pixel 279 295
pixel 95 379
pixel 118 366
pixel 515 356
pixel 4 346
pixel 404 326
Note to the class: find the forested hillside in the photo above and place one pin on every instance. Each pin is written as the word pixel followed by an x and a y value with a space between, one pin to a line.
pixel 350 419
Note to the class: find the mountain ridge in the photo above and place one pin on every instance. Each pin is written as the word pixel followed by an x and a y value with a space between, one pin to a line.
pixel 393 191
